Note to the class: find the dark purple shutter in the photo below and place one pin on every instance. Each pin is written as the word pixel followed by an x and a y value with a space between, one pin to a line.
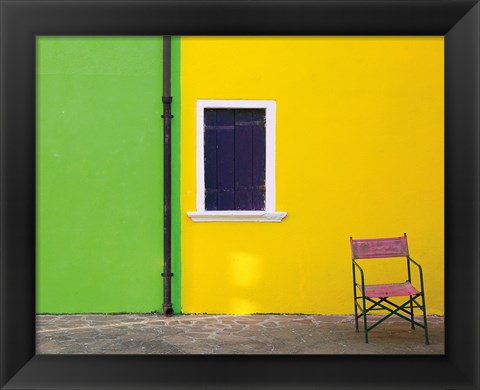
pixel 258 159
pixel 225 160
pixel 235 149
pixel 243 160
pixel 210 153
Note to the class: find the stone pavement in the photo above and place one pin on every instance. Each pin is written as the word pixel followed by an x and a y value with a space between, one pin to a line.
pixel 230 334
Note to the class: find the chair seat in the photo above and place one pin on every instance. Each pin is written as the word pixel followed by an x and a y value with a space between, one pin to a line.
pixel 389 290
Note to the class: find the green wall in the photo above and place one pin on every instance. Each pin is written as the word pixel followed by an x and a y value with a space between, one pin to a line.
pixel 100 175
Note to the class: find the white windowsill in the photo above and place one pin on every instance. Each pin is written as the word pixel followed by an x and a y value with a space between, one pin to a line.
pixel 236 216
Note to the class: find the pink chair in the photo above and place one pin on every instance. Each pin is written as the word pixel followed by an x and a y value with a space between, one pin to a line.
pixel 378 294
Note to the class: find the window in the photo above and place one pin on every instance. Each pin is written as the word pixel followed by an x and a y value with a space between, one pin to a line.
pixel 236 161
pixel 234 155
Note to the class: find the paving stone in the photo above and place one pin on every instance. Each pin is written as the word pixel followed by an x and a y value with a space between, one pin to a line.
pixel 201 335
pixel 229 334
pixel 179 340
pixel 229 338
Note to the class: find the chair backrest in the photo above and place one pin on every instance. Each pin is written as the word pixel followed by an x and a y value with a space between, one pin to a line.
pixel 379 247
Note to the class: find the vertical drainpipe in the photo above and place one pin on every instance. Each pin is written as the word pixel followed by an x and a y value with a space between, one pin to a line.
pixel 167 179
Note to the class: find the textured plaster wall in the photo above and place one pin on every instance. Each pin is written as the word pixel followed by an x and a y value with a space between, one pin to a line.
pixel 359 152
pixel 100 174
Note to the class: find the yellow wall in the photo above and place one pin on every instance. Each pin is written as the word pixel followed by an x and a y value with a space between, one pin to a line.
pixel 359 153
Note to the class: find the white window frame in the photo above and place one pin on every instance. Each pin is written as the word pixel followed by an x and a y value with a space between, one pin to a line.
pixel 267 215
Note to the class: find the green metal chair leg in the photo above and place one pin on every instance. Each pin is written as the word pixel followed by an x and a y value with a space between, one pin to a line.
pixel 355 297
pixel 356 318
pixel 411 311
pixel 427 342
pixel 365 319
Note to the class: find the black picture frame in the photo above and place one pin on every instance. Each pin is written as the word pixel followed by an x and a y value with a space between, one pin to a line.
pixel 21 21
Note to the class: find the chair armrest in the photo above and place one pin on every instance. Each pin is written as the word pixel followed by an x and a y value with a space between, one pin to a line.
pixel 414 262
pixel 361 274
pixel 419 270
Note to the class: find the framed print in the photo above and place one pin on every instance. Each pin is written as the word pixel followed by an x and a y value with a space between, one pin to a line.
pixel 24 23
